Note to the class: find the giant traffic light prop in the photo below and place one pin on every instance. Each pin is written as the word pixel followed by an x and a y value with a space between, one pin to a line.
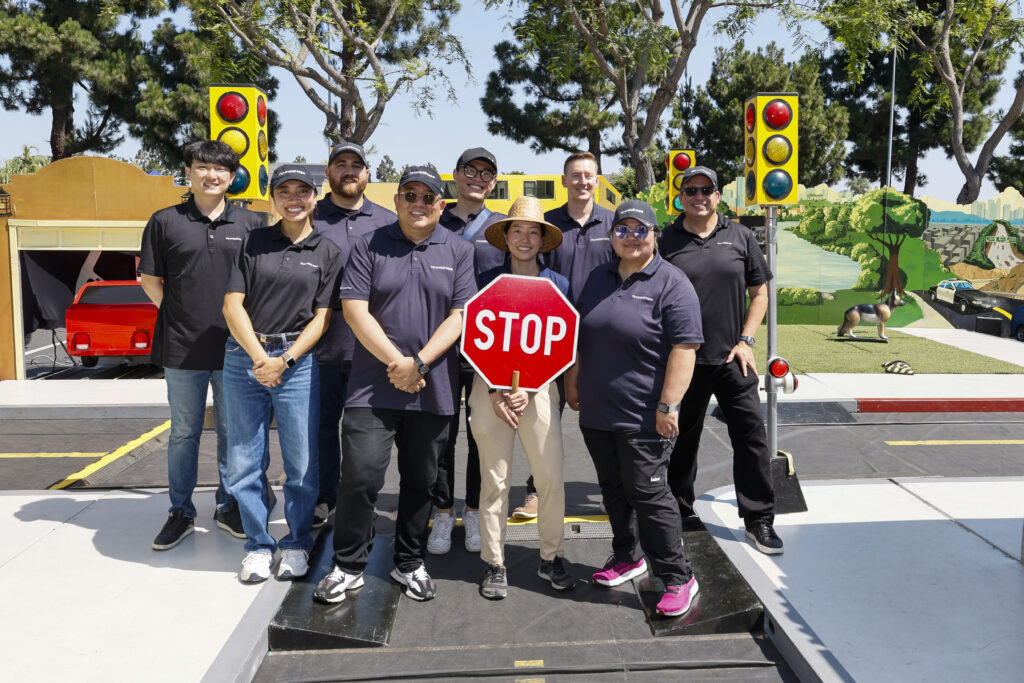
pixel 238 117
pixel 770 125
pixel 677 161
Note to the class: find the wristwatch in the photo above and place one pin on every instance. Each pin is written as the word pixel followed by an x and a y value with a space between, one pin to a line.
pixel 288 360
pixel 666 408
pixel 421 367
pixel 749 340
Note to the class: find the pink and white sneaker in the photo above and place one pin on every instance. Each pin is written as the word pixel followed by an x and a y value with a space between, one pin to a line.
pixel 616 572
pixel 677 599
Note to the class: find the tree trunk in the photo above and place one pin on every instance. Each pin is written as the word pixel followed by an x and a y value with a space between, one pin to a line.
pixel 60 123
pixel 642 166
pixel 594 147
pixel 892 273
pixel 913 153
pixel 971 189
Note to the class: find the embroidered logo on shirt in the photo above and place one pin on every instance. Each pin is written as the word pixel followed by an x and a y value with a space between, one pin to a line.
pixel 346 287
pixel 642 298
pixel 729 243
pixel 655 479
pixel 307 263
pixel 481 241
pixel 443 268
pixel 599 239
pixel 234 239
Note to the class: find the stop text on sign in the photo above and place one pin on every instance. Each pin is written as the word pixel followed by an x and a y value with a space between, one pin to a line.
pixel 533 331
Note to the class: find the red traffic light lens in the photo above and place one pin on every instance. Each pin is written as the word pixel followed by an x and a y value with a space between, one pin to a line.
pixel 777 184
pixel 750 117
pixel 778 114
pixel 779 367
pixel 261 110
pixel 681 161
pixel 232 107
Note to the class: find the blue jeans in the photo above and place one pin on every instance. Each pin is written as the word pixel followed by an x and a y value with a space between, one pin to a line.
pixel 186 393
pixel 296 405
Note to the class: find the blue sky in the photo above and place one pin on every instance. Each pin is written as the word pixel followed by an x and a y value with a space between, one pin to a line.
pixel 410 138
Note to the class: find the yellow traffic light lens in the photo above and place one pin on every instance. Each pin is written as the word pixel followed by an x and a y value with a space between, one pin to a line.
pixel 261 145
pixel 750 151
pixel 777 149
pixel 232 107
pixel 777 184
pixel 236 139
pixel 677 182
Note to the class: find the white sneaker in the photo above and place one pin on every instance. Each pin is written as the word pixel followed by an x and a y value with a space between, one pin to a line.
pixel 332 587
pixel 440 540
pixel 293 564
pixel 471 525
pixel 256 567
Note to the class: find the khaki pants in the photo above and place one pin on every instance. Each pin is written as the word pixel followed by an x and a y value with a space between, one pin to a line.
pixel 540 432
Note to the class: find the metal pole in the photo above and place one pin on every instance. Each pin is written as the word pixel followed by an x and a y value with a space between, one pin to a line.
pixel 770 385
pixel 892 116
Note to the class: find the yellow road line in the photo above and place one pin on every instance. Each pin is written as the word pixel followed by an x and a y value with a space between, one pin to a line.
pixel 112 456
pixel 954 442
pixel 528 663
pixel 566 520
pixel 52 455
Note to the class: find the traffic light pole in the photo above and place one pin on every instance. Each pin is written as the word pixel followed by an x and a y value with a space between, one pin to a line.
pixel 770 385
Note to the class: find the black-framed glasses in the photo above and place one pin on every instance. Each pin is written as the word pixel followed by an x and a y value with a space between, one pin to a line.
pixel 486 175
pixel 411 197
pixel 706 190
pixel 624 231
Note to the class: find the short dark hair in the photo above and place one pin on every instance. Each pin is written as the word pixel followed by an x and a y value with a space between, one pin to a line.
pixel 210 152
pixel 578 156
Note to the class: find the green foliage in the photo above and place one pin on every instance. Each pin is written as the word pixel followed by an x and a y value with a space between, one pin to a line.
pixel 889 216
pixel 655 196
pixel 26 162
pixel 624 181
pixel 386 171
pixel 1008 170
pixel 976 256
pixel 804 296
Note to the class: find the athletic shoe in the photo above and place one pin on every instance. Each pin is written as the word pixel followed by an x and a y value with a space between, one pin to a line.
pixel 230 520
pixel 554 571
pixel 294 563
pixel 762 533
pixel 332 587
pixel 528 510
pixel 471 525
pixel 418 584
pixel 440 540
pixel 175 529
pixel 615 572
pixel 495 584
pixel 320 514
pixel 677 599
pixel 256 567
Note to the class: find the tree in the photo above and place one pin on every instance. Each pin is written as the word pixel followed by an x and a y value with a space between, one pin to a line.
pixel 386 171
pixel 29 161
pixel 984 28
pixel 359 51
pixel 625 182
pixel 709 118
pixel 890 217
pixel 1008 171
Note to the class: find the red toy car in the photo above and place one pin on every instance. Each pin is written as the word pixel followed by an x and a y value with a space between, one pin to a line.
pixel 110 318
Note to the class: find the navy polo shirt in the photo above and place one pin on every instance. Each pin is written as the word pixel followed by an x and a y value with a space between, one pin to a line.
pixel 721 266
pixel 344 227
pixel 560 281
pixel 583 248
pixel 194 256
pixel 626 332
pixel 486 255
pixel 411 289
pixel 284 283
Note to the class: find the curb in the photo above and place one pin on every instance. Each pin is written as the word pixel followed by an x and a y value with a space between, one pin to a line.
pixel 940 405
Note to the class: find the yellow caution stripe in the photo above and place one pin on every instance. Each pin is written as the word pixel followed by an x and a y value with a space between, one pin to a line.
pixel 112 456
pixel 519 663
pixel 566 520
pixel 999 310
pixel 52 455
pixel 959 442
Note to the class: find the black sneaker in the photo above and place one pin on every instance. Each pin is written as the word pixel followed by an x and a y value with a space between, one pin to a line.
pixel 495 585
pixel 230 520
pixel 176 528
pixel 418 584
pixel 554 571
pixel 762 533
pixel 320 514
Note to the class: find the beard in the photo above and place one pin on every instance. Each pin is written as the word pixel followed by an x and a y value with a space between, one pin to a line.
pixel 349 190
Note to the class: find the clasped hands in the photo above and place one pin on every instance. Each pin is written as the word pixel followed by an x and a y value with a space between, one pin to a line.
pixel 509 406
pixel 404 375
pixel 269 371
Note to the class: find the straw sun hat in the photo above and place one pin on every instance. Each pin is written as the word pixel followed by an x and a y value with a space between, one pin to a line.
pixel 525 209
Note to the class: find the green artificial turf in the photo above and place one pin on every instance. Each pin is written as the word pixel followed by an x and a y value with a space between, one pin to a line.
pixel 815 348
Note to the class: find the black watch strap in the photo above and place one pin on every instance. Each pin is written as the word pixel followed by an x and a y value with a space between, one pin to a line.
pixel 422 367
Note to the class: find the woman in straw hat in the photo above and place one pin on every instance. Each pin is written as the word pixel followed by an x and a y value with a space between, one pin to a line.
pixel 499 415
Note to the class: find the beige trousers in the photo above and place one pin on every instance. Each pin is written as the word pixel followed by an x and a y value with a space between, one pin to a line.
pixel 540 432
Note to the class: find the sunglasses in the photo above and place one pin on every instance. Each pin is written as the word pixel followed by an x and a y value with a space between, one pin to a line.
pixel 623 231
pixel 411 197
pixel 486 175
pixel 706 190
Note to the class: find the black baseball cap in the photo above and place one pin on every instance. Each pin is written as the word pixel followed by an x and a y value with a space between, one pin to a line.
pixel 701 170
pixel 634 208
pixel 474 154
pixel 286 172
pixel 349 148
pixel 422 174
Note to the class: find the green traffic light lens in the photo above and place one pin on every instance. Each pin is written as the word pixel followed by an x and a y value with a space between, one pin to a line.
pixel 677 203
pixel 240 181
pixel 777 184
pixel 751 184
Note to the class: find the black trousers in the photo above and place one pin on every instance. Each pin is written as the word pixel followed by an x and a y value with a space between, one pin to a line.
pixel 751 463
pixel 631 471
pixel 444 485
pixel 333 383
pixel 367 435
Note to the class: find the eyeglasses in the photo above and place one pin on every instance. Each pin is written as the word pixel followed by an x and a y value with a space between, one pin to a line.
pixel 706 190
pixel 486 175
pixel 623 231
pixel 411 197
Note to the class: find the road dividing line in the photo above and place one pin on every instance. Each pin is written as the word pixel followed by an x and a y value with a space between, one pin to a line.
pixel 952 442
pixel 112 456
pixel 52 455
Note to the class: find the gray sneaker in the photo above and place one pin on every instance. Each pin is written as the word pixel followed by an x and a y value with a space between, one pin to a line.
pixel 418 584
pixel 332 587
pixel 495 583
pixel 554 571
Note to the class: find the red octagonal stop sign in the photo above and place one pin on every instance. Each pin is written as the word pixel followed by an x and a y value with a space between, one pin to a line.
pixel 522 324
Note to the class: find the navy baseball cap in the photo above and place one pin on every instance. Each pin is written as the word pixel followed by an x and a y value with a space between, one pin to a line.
pixel 422 174
pixel 287 172
pixel 701 170
pixel 350 148
pixel 474 154
pixel 634 208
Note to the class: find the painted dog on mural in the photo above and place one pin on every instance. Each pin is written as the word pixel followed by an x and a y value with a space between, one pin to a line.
pixel 869 313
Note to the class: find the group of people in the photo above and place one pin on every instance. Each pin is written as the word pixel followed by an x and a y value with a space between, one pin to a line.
pixel 345 314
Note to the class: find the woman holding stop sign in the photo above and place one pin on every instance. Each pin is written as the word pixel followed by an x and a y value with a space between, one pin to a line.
pixel 499 415
pixel 639 331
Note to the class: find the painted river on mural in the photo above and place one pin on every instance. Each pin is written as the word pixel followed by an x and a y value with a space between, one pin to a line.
pixel 802 264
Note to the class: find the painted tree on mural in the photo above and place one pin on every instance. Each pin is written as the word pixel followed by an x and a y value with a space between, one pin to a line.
pixel 890 217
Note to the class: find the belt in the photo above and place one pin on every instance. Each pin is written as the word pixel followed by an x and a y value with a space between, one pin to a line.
pixel 280 338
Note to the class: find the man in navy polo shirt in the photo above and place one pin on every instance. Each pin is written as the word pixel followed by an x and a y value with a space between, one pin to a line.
pixel 475 174
pixel 343 216
pixel 402 294
pixel 725 265
pixel 187 253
